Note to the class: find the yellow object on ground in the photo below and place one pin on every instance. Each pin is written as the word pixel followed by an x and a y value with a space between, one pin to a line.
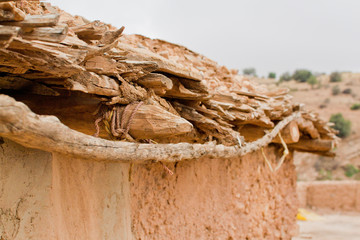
pixel 307 215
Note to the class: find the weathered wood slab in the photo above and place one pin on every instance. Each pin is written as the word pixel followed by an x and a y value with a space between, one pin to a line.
pixel 313 145
pixel 165 65
pixel 7 34
pixel 157 82
pixel 178 91
pixel 43 58
pixel 35 21
pixel 102 65
pixel 151 122
pixel 92 31
pixel 51 34
pixel 133 70
pixel 90 82
pixel 290 133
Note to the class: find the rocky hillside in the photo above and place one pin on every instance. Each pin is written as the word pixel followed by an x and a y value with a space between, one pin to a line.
pixel 328 98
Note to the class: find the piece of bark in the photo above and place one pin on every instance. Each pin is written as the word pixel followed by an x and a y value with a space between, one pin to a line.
pixel 165 65
pixel 51 34
pixel 9 12
pixel 133 70
pixel 7 34
pixel 49 134
pixel 35 21
pixel 102 65
pixel 90 82
pixel 92 31
pixel 24 85
pixel 157 82
pixel 290 133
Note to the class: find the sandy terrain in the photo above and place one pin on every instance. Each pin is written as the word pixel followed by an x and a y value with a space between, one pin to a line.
pixel 339 226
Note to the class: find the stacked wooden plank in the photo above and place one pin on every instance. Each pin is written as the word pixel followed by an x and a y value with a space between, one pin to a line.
pixel 141 89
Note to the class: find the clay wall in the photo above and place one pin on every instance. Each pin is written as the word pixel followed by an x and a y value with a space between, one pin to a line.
pixel 51 196
pixel 215 199
pixel 330 195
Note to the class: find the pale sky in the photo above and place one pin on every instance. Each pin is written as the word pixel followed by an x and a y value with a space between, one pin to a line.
pixel 269 35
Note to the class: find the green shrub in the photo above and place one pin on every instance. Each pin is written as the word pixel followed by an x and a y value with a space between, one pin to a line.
pixel 355 106
pixel 249 71
pixel 335 90
pixel 351 170
pixel 312 81
pixel 340 124
pixel 335 77
pixel 272 75
pixel 285 77
pixel 302 75
pixel 324 175
pixel 347 91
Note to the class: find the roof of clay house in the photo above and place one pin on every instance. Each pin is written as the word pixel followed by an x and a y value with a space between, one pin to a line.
pixel 141 90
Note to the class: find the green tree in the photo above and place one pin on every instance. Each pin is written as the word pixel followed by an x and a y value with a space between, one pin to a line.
pixel 335 77
pixel 355 106
pixel 272 75
pixel 312 80
pixel 285 77
pixel 302 75
pixel 249 71
pixel 340 124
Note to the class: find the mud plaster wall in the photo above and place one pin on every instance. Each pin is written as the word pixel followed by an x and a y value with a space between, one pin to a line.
pixel 215 199
pixel 50 196
pixel 45 196
pixel 25 183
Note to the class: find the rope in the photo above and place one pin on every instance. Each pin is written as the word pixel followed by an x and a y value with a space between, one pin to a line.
pixel 120 123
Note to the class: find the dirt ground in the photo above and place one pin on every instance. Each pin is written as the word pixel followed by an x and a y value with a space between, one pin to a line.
pixel 335 226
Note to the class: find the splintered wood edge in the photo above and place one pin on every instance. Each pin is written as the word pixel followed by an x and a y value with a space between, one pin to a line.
pixel 20 124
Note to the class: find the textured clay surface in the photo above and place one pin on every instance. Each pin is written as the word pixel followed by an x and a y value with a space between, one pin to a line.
pixel 330 195
pixel 215 199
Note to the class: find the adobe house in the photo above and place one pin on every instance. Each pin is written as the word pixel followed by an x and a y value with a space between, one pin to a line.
pixel 112 136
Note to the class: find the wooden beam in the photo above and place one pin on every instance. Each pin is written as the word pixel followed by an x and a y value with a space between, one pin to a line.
pixel 313 145
pixel 290 133
pixel 49 134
